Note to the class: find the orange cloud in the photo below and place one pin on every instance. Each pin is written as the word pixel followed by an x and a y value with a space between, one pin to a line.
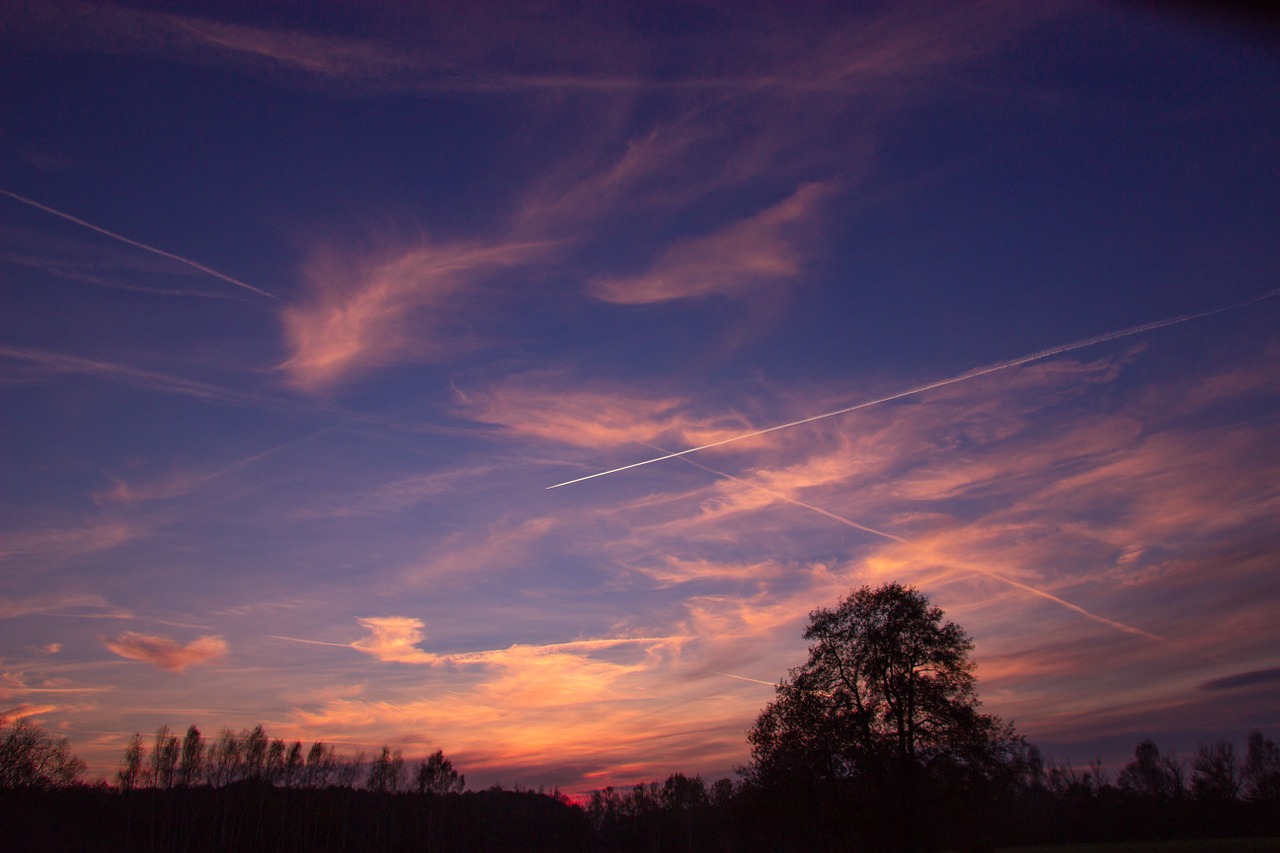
pixel 737 261
pixel 165 653
pixel 540 406
pixel 367 312
pixel 394 639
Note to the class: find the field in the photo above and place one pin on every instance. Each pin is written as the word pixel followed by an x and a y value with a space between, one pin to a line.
pixel 1209 845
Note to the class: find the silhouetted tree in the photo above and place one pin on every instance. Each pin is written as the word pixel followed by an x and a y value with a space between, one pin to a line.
pixel 292 765
pixel 1151 774
pixel 1216 774
pixel 386 773
pixel 1262 769
pixel 30 757
pixel 321 766
pixel 885 704
pixel 253 750
pixel 164 759
pixel 435 775
pixel 224 764
pixel 191 762
pixel 130 774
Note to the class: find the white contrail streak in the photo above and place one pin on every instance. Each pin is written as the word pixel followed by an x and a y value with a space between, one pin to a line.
pixel 920 389
pixel 743 678
pixel 152 249
pixel 960 564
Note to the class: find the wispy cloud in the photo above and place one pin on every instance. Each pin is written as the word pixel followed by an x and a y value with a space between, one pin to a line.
pixel 368 311
pixel 166 653
pixel 595 50
pixel 758 252
pixel 394 639
pixel 55 543
pixel 42 364
pixel 551 407
pixel 139 245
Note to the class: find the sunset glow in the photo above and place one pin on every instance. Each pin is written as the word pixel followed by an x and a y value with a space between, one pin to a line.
pixel 302 313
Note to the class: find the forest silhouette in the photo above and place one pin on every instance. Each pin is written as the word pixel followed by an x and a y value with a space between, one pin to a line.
pixel 876 743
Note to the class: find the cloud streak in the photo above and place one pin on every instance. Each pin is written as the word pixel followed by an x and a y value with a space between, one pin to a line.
pixel 964 377
pixel 373 311
pixel 736 262
pixel 196 265
pixel 166 653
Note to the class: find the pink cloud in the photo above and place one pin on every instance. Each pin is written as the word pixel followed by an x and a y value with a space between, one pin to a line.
pixel 165 653
pixel 762 251
pixel 394 639
pixel 373 311
pixel 552 408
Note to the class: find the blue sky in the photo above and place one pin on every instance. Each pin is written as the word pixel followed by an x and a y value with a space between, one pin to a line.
pixel 302 313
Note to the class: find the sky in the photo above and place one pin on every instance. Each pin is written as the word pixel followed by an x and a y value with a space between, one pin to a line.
pixel 302 312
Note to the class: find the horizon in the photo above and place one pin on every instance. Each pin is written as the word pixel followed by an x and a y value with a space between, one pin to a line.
pixel 514 382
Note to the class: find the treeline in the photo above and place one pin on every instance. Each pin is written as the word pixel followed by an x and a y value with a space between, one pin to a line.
pixel 251 756
pixel 246 791
pixel 1215 793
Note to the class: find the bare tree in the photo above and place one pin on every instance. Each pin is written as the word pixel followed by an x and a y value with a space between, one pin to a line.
pixel 1262 769
pixel 1151 774
pixel 253 748
pixel 191 763
pixel 292 765
pixel 273 771
pixel 224 762
pixel 320 767
pixel 386 773
pixel 130 775
pixel 164 758
pixel 1216 773
pixel 30 757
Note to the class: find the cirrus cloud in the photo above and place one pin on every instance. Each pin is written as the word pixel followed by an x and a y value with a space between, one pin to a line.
pixel 166 653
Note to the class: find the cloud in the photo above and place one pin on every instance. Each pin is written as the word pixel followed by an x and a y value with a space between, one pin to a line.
pixel 165 653
pixel 1242 679
pixel 551 48
pixel 394 639
pixel 739 261
pixel 45 364
pixel 62 543
pixel 549 407
pixel 368 311
pixel 23 709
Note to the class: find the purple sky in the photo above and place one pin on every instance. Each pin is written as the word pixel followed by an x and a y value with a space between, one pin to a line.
pixel 301 314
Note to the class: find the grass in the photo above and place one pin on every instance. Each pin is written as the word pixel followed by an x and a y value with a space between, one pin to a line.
pixel 1204 845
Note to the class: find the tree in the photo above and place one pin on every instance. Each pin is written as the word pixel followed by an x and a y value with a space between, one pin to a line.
pixel 164 759
pixel 191 762
pixel 386 773
pixel 1216 775
pixel 1151 774
pixel 131 773
pixel 1262 768
pixel 886 705
pixel 435 775
pixel 30 757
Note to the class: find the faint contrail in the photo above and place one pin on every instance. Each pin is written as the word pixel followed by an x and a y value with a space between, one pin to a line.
pixel 919 389
pixel 743 678
pixel 152 249
pixel 1005 579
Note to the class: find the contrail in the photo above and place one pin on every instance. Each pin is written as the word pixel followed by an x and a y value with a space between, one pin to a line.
pixel 743 678
pixel 1005 579
pixel 963 377
pixel 308 642
pixel 152 249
